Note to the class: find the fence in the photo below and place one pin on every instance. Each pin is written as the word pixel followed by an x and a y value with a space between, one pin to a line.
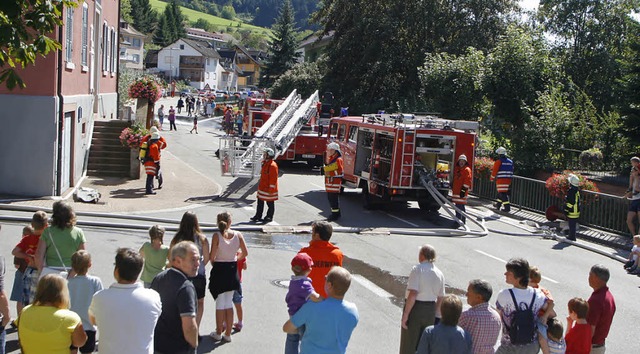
pixel 599 210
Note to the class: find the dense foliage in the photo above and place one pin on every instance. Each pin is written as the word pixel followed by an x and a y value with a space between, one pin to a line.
pixel 170 26
pixel 282 47
pixel 304 77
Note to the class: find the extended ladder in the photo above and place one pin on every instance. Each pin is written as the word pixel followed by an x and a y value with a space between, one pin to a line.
pixel 241 156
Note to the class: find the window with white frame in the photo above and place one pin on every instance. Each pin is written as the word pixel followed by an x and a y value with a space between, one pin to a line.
pixel 136 58
pixel 104 47
pixel 69 35
pixel 136 42
pixel 85 28
pixel 114 48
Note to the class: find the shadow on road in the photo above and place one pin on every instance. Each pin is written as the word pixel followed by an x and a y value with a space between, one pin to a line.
pixel 127 193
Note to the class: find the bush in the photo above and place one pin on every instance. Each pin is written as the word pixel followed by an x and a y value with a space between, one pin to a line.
pixel 558 184
pixel 132 137
pixel 483 167
pixel 591 159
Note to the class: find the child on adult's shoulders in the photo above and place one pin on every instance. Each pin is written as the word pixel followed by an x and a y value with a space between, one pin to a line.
pixel 300 291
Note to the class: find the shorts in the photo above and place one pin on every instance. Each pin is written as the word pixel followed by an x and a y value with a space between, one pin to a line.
pixel 200 283
pixel 29 285
pixel 16 291
pixel 634 206
pixel 90 345
pixel 225 301
pixel 237 295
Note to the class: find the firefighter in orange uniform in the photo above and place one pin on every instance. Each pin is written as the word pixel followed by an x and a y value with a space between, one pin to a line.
pixel 333 173
pixel 162 144
pixel 152 161
pixel 267 187
pixel 461 185
pixel 502 173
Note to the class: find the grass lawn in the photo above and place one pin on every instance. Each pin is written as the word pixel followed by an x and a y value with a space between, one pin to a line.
pixel 219 22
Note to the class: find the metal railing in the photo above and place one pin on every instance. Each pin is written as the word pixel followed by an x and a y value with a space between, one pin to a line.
pixel 599 210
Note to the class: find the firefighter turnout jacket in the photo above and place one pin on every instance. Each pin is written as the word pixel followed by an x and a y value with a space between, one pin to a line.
pixel 502 173
pixel 461 184
pixel 153 158
pixel 268 185
pixel 572 203
pixel 333 173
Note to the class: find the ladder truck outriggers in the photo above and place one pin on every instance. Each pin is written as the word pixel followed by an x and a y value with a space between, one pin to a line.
pixel 402 156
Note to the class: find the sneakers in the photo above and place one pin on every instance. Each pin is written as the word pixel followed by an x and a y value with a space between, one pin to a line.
pixel 226 338
pixel 216 336
pixel 256 218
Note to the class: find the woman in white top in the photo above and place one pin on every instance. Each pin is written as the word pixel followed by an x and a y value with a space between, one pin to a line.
pixel 224 279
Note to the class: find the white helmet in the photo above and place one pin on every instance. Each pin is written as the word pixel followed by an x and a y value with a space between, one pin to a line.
pixel 501 151
pixel 333 146
pixel 269 152
pixel 463 157
pixel 574 180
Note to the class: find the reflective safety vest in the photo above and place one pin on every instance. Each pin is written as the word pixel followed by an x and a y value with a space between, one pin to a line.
pixel 461 178
pixel 502 173
pixel 572 203
pixel 333 173
pixel 153 159
pixel 268 185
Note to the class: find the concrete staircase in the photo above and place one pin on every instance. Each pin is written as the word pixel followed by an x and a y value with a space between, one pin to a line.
pixel 107 157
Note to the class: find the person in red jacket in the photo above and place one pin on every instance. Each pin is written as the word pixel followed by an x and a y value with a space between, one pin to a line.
pixel 152 161
pixel 267 187
pixel 461 185
pixel 502 173
pixel 333 173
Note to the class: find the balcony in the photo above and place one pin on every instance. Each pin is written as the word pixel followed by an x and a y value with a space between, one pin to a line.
pixel 188 62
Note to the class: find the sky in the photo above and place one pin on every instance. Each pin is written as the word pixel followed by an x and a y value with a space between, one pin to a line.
pixel 529 4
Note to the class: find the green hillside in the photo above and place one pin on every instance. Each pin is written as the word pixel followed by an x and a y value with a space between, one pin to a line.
pixel 220 22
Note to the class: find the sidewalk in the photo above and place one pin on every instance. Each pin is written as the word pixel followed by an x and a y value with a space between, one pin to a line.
pixel 183 187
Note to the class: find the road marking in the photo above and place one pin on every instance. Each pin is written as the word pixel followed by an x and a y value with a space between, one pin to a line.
pixel 503 261
pixel 371 286
pixel 403 220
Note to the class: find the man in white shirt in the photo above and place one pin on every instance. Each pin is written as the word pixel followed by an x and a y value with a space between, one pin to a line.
pixel 126 313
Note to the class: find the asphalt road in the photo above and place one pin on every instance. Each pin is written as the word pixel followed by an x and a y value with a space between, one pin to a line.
pixel 379 262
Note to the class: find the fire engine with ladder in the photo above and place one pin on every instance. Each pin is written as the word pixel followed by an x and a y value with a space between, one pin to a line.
pixel 401 156
pixel 283 126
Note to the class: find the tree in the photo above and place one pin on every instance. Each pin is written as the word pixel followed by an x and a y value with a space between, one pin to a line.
pixel 144 17
pixel 25 30
pixel 125 11
pixel 203 24
pixel 304 77
pixel 228 12
pixel 171 25
pixel 590 36
pixel 629 86
pixel 282 47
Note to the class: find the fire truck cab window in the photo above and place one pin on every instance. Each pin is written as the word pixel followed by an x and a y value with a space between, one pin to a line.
pixel 353 131
pixel 334 130
pixel 342 131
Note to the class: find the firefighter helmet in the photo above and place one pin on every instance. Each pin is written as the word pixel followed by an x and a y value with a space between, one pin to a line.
pixel 463 157
pixel 269 152
pixel 574 180
pixel 333 146
pixel 501 151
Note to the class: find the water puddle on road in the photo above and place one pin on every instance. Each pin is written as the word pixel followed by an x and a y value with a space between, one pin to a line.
pixel 393 284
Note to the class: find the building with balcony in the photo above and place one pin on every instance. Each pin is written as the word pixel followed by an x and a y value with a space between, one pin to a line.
pixel 48 125
pixel 248 64
pixel 131 47
pixel 196 62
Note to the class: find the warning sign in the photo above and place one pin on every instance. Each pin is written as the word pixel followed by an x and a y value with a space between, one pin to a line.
pixel 207 87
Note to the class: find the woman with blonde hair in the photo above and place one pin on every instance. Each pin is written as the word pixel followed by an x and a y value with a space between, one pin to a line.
pixel 224 278
pixel 189 230
pixel 48 326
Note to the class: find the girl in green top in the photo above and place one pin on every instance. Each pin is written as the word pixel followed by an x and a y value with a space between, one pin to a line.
pixel 155 255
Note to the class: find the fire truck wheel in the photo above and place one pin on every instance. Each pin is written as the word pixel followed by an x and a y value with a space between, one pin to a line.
pixel 429 206
pixel 367 199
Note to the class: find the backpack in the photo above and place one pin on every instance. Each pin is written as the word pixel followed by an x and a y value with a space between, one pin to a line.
pixel 523 322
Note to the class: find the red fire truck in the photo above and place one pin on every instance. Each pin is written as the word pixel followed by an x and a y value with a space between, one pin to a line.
pixel 389 156
pixel 309 145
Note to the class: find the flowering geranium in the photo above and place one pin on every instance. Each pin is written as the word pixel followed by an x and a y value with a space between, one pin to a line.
pixel 558 184
pixel 145 87
pixel 483 167
pixel 132 137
